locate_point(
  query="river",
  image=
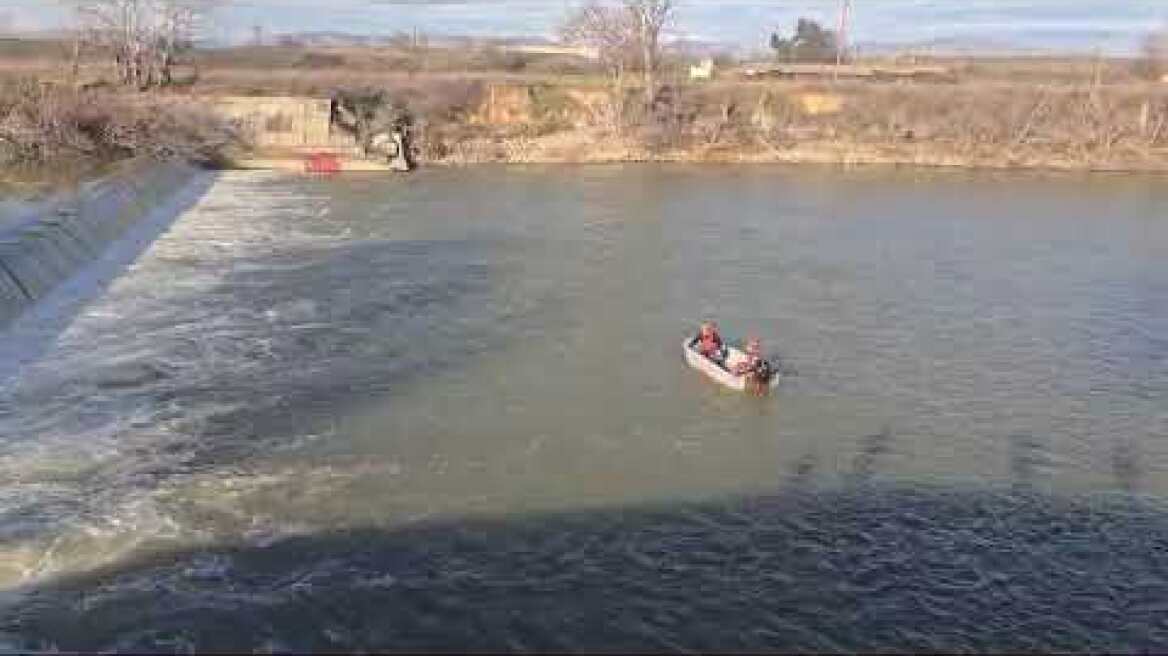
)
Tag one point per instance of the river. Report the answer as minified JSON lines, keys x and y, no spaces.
{"x":450,"y":411}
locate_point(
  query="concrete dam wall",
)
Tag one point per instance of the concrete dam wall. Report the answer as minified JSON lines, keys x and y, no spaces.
{"x":297,"y":134}
{"x":53,"y":241}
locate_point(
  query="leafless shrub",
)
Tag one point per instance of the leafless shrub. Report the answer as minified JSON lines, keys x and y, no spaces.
{"x":723,"y":116}
{"x":41,"y":123}
{"x":1087,"y":123}
{"x":435,"y":111}
{"x":440,"y":100}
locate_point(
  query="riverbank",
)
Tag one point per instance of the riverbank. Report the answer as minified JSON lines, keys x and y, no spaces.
{"x":1008,"y":113}
{"x":583,"y":148}
{"x":1002,"y":125}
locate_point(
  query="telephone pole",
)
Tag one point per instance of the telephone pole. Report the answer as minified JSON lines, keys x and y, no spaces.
{"x":841,"y":45}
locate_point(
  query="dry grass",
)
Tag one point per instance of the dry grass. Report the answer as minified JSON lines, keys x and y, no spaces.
{"x":1086,"y":123}
{"x":1032,"y":69}
{"x":983,"y":124}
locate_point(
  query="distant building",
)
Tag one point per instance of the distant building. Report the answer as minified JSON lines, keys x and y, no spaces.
{"x":702,"y":71}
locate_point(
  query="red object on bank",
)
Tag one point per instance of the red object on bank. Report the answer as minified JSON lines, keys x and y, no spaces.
{"x":322,"y":163}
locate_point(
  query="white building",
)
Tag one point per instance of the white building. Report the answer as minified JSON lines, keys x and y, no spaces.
{"x":702,"y":71}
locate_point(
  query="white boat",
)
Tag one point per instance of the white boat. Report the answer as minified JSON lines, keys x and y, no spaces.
{"x":719,"y":373}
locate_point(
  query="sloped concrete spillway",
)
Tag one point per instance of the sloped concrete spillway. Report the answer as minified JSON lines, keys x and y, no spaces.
{"x":55,"y":240}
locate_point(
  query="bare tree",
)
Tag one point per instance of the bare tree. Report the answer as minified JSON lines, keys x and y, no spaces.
{"x":143,"y":36}
{"x":622,"y":34}
{"x":606,"y":31}
{"x":649,"y":19}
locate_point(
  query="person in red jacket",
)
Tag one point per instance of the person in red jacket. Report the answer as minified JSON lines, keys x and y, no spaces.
{"x":710,"y":342}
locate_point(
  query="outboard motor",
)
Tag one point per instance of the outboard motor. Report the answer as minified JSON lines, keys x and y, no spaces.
{"x":765,"y":371}
{"x":758,"y":382}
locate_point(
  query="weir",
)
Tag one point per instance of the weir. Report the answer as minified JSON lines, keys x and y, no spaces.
{"x":304,"y":134}
{"x":56,"y":239}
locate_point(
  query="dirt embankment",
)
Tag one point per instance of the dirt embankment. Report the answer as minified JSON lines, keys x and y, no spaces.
{"x":999,"y":125}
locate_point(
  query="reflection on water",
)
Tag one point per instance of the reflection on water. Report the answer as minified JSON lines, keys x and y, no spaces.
{"x":385,"y":368}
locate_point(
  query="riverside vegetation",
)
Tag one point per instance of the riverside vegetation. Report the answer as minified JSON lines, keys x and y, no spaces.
{"x":477,"y":101}
{"x":44,"y":124}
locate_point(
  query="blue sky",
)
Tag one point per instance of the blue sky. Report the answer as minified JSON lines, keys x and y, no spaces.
{"x":1058,"y":24}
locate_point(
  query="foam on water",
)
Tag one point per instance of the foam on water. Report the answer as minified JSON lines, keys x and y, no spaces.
{"x":132,"y":413}
{"x":93,"y":416}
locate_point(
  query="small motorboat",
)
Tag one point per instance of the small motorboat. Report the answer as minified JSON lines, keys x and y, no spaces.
{"x":723,"y":375}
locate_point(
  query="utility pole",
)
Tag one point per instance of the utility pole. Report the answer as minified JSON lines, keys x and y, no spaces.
{"x":841,"y":45}
{"x":75,"y":64}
